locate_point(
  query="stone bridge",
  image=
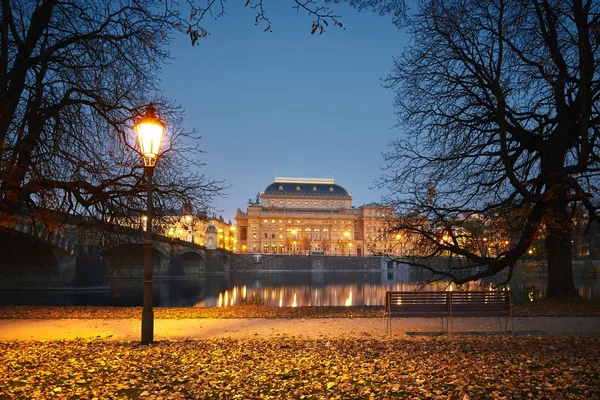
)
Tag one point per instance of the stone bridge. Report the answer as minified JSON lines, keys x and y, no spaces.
{"x":89,"y":255}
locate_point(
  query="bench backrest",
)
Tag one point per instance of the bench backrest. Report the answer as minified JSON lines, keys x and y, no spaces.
{"x":469,"y":303}
{"x":482,"y":303}
{"x":417,"y":302}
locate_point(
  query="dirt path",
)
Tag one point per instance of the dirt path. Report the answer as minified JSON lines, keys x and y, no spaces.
{"x":310,"y":328}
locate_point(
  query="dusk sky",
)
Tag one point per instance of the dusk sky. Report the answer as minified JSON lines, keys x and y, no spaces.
{"x":288,"y":102}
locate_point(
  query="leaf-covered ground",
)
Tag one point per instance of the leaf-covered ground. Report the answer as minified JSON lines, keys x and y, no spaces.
{"x":440,"y":368}
{"x":545,"y":308}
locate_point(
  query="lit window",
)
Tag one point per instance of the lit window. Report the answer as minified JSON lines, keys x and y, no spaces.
{"x":298,"y":203}
{"x":265,"y":220}
{"x":306,"y":202}
{"x":315,"y":202}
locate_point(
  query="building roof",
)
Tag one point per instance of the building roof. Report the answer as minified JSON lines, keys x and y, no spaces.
{"x":305,"y":187}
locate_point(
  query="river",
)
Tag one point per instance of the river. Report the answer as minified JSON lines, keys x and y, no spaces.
{"x":278,"y":289}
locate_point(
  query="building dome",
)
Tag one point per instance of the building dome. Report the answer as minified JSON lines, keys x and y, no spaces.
{"x":306,"y":188}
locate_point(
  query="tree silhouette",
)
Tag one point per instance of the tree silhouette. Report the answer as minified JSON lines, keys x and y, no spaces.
{"x":74,"y":77}
{"x":499,"y":100}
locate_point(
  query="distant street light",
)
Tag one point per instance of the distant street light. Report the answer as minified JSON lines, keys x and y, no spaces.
{"x":149,"y":134}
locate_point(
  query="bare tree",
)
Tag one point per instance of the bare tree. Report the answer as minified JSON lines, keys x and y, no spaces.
{"x":322,"y":14}
{"x":499,"y":100}
{"x":74,"y":76}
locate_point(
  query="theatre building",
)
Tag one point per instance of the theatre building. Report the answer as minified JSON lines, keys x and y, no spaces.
{"x":313,"y":216}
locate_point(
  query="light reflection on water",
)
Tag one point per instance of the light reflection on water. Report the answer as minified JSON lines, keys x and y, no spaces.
{"x":277,"y":289}
{"x":285,"y":289}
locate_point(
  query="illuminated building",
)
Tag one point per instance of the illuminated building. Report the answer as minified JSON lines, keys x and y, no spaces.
{"x":313,"y":216}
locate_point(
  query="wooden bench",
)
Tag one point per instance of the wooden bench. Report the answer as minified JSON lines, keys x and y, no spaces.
{"x":446,"y":305}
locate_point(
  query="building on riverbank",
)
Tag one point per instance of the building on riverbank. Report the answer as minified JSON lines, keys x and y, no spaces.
{"x":315,"y":216}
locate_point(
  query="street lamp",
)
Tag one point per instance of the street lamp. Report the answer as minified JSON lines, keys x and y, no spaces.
{"x":149,"y":134}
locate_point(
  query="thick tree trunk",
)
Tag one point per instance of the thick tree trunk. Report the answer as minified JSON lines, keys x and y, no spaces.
{"x":560,"y":263}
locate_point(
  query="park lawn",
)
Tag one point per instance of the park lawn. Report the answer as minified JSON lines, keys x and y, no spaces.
{"x":467,"y":367}
{"x":540,"y":308}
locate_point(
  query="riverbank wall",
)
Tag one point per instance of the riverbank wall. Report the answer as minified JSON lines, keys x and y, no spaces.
{"x":276,"y":262}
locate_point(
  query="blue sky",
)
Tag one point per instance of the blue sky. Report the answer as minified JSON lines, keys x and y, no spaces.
{"x":286,"y":101}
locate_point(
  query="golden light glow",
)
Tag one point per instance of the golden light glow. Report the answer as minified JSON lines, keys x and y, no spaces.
{"x":149,"y":134}
{"x":348,"y":301}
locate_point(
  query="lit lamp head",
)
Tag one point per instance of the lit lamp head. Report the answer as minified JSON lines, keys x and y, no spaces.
{"x":149,"y":134}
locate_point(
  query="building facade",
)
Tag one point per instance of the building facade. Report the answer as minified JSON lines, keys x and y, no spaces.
{"x":314,"y":216}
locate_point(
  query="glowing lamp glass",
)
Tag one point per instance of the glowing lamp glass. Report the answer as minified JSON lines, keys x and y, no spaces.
{"x":149,"y":134}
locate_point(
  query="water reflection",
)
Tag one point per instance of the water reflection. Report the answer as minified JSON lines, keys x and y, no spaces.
{"x":277,"y":289}
{"x":295,"y":289}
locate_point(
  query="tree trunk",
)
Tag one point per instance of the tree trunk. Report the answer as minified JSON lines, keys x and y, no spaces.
{"x":560,"y":263}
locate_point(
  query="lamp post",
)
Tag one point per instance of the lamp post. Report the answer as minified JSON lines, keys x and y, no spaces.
{"x":149,"y":134}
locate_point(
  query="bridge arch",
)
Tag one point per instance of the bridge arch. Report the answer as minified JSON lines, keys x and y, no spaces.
{"x":127,"y":260}
{"x":28,"y":261}
{"x":194,"y":261}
